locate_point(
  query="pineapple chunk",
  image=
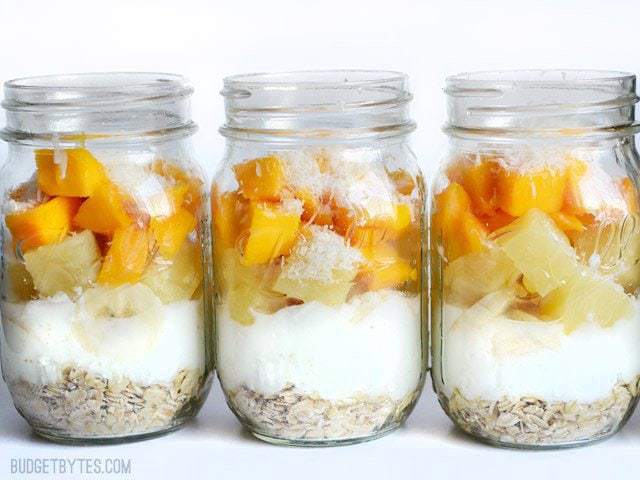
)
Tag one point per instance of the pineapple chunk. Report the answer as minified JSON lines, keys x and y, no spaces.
{"x":171,"y":232}
{"x":82,"y":176}
{"x":587,"y":296}
{"x":66,"y":266}
{"x":320,"y":268}
{"x":104,"y":212}
{"x":18,"y":284}
{"x":539,"y":250}
{"x":42,"y":225}
{"x":519,"y":193}
{"x":176,"y":279}
{"x":126,"y":258}
{"x":467,"y":279}
{"x":262,"y":179}
{"x":246,"y":289}
{"x":272,"y":232}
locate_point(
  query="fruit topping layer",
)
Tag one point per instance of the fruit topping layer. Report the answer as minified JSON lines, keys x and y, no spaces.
{"x":303,"y":227}
{"x":563,"y":240}
{"x":77,"y":226}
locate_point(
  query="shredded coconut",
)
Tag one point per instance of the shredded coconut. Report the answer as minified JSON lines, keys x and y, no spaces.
{"x":320,"y":256}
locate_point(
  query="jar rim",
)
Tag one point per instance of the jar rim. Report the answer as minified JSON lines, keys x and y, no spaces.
{"x":539,"y":76}
{"x":310,"y":78}
{"x":77,"y":90}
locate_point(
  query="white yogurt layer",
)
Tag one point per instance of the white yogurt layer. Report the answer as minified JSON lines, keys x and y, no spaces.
{"x":488,"y":357}
{"x":42,"y":337}
{"x":371,"y":345}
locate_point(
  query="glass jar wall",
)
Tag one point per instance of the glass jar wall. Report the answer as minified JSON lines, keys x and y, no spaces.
{"x":318,"y":215}
{"x":535,"y":257}
{"x":104,"y":224}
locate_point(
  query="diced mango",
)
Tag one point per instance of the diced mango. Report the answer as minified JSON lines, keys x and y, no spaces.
{"x":403,"y":181}
{"x":272,"y":233}
{"x":518,"y":193}
{"x":44,"y":224}
{"x":127,"y":257}
{"x":567,"y":222}
{"x":585,"y":296}
{"x":479,"y":181}
{"x":375,"y":230}
{"x":573,"y":203}
{"x":497,"y":220}
{"x":315,"y":210}
{"x":385,"y":268}
{"x":539,"y":250}
{"x":167,"y":202}
{"x":261,"y":179}
{"x":459,"y":231}
{"x":630,"y":194}
{"x":228,"y":210}
{"x":170,"y":232}
{"x":104,"y":212}
{"x":179,"y":178}
{"x":83,"y":175}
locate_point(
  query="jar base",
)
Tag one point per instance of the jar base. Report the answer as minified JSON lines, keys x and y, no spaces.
{"x":56,"y":437}
{"x":323,"y":443}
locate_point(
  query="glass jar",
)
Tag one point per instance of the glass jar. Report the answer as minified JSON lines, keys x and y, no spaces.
{"x":103,"y":229}
{"x":535,"y":257}
{"x":317,"y":214}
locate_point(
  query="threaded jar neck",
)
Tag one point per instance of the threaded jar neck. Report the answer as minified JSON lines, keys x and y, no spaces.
{"x":105,"y":107}
{"x":317,"y":106}
{"x":546,"y":103}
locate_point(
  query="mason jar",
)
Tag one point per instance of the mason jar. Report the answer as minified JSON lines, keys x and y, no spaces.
{"x":103,"y":235}
{"x":536,"y":257}
{"x":317,"y":249}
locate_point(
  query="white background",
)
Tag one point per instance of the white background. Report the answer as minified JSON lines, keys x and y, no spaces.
{"x":206,"y":40}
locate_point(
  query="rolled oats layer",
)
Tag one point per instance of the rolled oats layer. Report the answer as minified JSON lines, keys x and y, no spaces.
{"x":536,"y":422}
{"x":292,"y":415}
{"x":84,"y":405}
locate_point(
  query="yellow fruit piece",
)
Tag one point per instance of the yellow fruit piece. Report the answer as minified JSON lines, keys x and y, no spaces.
{"x":228,"y":210}
{"x":83,"y":175}
{"x":519,"y":193}
{"x":66,"y":266}
{"x":450,"y":206}
{"x":568,"y":223}
{"x":176,"y":279}
{"x":385,"y":268}
{"x":539,"y":250}
{"x":127,"y":256}
{"x":167,"y":202}
{"x":479,"y":181}
{"x":573,"y":202}
{"x":587,"y":296}
{"x":273,"y":230}
{"x":630,"y":194}
{"x":261,"y":179}
{"x":315,"y":210}
{"x":246,"y":289}
{"x":171,"y":232}
{"x":104,"y":212}
{"x":403,"y":181}
{"x":469,"y":278}
{"x":376,"y":230}
{"x":47,"y":223}
{"x":180,"y":178}
{"x":18,"y":284}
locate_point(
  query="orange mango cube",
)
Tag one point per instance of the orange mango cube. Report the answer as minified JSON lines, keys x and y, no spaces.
{"x":572,"y":201}
{"x":272,"y":232}
{"x":229,"y":211}
{"x":104,"y":212}
{"x":127,"y":256}
{"x":374,"y":230}
{"x":170,"y":232}
{"x":385,"y":268}
{"x":479,"y":181}
{"x":519,"y":193}
{"x":84,"y":174}
{"x":181,"y":179}
{"x":403,"y":181}
{"x":44,"y":224}
{"x":261,"y":179}
{"x":630,"y":194}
